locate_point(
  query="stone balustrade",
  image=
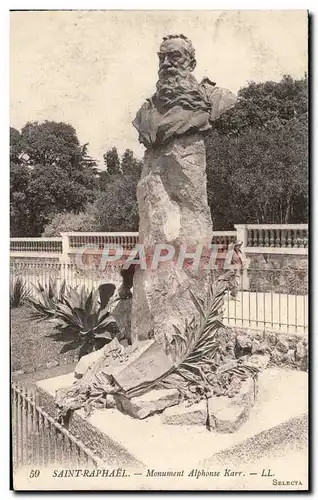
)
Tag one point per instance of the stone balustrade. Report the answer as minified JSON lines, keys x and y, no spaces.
{"x":256,"y":238}
{"x":273,"y":238}
{"x":36,"y":245}
{"x":79,"y":240}
{"x":224,"y":237}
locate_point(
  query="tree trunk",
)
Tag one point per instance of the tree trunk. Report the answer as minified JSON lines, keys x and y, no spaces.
{"x":287,"y":213}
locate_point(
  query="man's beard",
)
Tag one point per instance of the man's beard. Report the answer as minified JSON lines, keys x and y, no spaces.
{"x":179,"y":89}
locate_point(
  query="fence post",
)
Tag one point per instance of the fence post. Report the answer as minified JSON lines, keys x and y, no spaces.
{"x":65,"y":248}
{"x":242,"y":236}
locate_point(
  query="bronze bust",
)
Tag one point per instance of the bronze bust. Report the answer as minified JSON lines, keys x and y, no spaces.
{"x":181,"y":105}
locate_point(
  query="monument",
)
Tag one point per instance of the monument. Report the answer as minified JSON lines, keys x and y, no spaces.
{"x":179,"y":353}
{"x":172,"y":192}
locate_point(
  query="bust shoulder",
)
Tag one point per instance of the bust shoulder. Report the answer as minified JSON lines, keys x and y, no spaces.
{"x":221,"y":99}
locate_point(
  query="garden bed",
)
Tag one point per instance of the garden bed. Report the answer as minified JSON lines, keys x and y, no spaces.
{"x":33,"y":346}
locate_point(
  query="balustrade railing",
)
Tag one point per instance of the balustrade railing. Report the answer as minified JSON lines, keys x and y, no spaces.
{"x":79,"y":240}
{"x":272,"y":236}
{"x":256,"y":238}
{"x":224,"y":237}
{"x":36,"y":245}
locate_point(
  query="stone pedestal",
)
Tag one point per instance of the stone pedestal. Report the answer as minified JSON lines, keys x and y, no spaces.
{"x":173,"y":210}
{"x":277,"y":419}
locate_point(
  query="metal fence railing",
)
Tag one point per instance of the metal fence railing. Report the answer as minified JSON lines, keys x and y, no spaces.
{"x":266,"y":299}
{"x":269,"y":300}
{"x":39,"y":440}
{"x":35,"y":272}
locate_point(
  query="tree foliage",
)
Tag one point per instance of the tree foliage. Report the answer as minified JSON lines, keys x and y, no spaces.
{"x":257,"y":156}
{"x":69,"y":221}
{"x":50,"y":144}
{"x":256,"y":169}
{"x":116,"y":206}
{"x":130,"y":165}
{"x":266,"y":104}
{"x":50,"y":173}
{"x":112,"y":162}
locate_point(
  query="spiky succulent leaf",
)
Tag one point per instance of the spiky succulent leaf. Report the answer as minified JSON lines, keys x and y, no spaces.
{"x":62,"y":289}
{"x":70,"y":346}
{"x":106,"y":291}
{"x":103,"y":335}
{"x":20,"y":292}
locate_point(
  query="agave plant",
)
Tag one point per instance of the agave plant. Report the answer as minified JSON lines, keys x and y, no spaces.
{"x":86,"y":317}
{"x":47,"y":298}
{"x":19,"y":293}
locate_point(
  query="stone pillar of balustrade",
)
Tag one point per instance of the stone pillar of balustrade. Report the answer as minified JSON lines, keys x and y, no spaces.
{"x":242,"y":236}
{"x":64,"y":257}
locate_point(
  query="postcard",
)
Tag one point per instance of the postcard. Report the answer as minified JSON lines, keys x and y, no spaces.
{"x":159,"y":250}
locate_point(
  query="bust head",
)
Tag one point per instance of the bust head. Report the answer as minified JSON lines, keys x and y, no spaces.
{"x":176,"y":56}
{"x":176,"y":84}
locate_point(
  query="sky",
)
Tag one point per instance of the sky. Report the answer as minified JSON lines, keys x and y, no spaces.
{"x":93,"y":69}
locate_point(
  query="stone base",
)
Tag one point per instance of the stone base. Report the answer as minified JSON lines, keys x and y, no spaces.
{"x":225,"y":414}
{"x":278,"y":417}
{"x":173,"y":209}
{"x":149,"y":403}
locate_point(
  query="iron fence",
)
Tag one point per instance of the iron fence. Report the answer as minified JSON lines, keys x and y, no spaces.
{"x":266,"y":299}
{"x":269,"y":300}
{"x":39,"y":440}
{"x":34,"y":272}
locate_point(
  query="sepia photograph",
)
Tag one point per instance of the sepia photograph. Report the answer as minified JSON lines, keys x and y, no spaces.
{"x":159,"y":205}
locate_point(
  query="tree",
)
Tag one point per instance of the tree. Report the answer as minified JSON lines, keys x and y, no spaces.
{"x":116,"y":207}
{"x":51,"y":191}
{"x":257,"y":157}
{"x":19,"y":181}
{"x":266,"y":104}
{"x":112,"y":162}
{"x":19,"y":206}
{"x":131,"y":165}
{"x":59,"y":175}
{"x":50,"y":143}
{"x":15,"y":145}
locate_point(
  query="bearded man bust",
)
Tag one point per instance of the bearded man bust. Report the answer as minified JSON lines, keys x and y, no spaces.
{"x":172,"y":191}
{"x":180,"y":105}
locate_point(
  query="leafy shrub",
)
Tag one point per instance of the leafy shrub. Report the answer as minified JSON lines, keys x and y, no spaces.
{"x":19,"y":293}
{"x":69,"y":221}
{"x":86,"y":318}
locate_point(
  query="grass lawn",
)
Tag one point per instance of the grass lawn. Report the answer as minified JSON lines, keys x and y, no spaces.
{"x":31,"y":347}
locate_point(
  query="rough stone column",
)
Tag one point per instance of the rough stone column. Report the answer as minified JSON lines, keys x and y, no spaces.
{"x":172,"y":191}
{"x":173,"y":209}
